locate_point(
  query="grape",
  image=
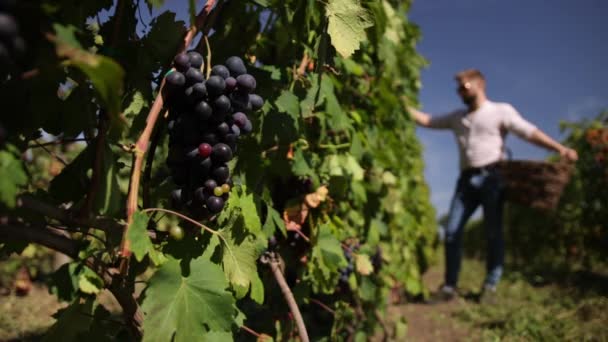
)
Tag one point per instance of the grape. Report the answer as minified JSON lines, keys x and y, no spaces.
{"x":204,"y":167}
{"x":199,"y":195}
{"x":246,"y":83}
{"x":176,"y":198}
{"x":210,"y":185}
{"x":210,"y":138}
{"x":193,"y":76}
{"x":175,"y":80}
{"x":240,"y":119}
{"x":230,"y":140}
{"x":223,"y":129}
{"x":204,"y":150}
{"x":220,"y":174}
{"x":240,"y":101}
{"x":203,"y":110}
{"x":236,"y":66}
{"x":176,"y":155}
{"x":230,"y":83}
{"x":181,"y":62}
{"x":8,"y":26}
{"x":192,"y":153}
{"x":235,"y":130}
{"x":217,"y":191}
{"x":215,"y":85}
{"x":215,"y":204}
{"x":220,"y":70}
{"x":272,"y":241}
{"x":225,"y":188}
{"x":190,"y":131}
{"x":221,"y":153}
{"x":222,"y":105}
{"x":256,"y":101}
{"x":196,"y":60}
{"x":248,"y":127}
{"x":196,"y":92}
{"x":179,"y":175}
{"x":176,"y":232}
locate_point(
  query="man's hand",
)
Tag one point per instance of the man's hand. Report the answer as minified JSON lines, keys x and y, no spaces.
{"x":568,"y":153}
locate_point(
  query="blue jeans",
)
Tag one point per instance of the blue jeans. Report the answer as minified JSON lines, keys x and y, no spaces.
{"x":485,"y":188}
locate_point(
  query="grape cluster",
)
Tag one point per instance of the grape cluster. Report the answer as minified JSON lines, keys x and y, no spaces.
{"x":346,"y":272}
{"x":207,"y":116}
{"x":12,"y":45}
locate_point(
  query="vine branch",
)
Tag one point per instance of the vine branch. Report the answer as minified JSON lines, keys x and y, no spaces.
{"x":141,"y":146}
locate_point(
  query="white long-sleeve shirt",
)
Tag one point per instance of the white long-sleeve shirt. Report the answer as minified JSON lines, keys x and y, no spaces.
{"x":481,"y":134}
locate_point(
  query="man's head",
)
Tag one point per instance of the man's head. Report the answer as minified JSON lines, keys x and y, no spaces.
{"x":471,"y":85}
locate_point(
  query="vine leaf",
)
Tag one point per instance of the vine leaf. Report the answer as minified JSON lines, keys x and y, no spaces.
{"x":104,"y":73}
{"x":241,"y":204}
{"x":327,"y":258}
{"x":184,"y":306}
{"x":13,"y":176}
{"x":363,"y":264}
{"x":347,"y":24}
{"x":137,"y":235}
{"x":288,"y":103}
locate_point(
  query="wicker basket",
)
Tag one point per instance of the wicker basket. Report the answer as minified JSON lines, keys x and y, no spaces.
{"x":536,"y":184}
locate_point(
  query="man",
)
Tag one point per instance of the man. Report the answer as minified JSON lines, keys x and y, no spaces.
{"x":480,"y":131}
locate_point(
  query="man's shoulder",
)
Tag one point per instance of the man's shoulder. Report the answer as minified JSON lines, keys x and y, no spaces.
{"x":503,"y":108}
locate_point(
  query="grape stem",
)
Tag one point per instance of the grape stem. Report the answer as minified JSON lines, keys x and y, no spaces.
{"x":271,"y":259}
{"x":208,"y":55}
{"x":141,"y":146}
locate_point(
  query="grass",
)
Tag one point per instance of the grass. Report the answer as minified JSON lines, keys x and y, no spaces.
{"x":569,"y":306}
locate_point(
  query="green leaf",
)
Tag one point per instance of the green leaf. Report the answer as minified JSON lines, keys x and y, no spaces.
{"x":300,"y":166}
{"x":363,"y":264}
{"x":327,"y":258}
{"x":192,"y":11}
{"x":184,"y":307}
{"x":353,"y":168}
{"x":63,"y":283}
{"x":13,"y":176}
{"x":108,"y":200}
{"x":257,"y":290}
{"x":263,"y":3}
{"x":347,"y":24}
{"x":239,"y":257}
{"x":138,"y":236}
{"x":164,"y":38}
{"x":71,"y":322}
{"x":104,"y":73}
{"x":241,"y":204}
{"x":89,"y":282}
{"x":273,"y":222}
{"x":288,"y":103}
{"x":73,"y":180}
{"x":155,"y":3}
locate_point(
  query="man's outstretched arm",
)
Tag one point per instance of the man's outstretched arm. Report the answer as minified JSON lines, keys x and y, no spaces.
{"x":539,"y":138}
{"x":422,"y":119}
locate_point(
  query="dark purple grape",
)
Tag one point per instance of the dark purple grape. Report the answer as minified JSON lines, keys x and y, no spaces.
{"x":181,"y":62}
{"x":215,"y":204}
{"x":175,"y":80}
{"x":192,"y":153}
{"x":230,"y":84}
{"x":221,"y":154}
{"x":220,"y":174}
{"x":247,"y":128}
{"x":204,"y":167}
{"x":221,"y":105}
{"x":209,"y":185}
{"x":196,"y":92}
{"x":236,"y":66}
{"x":203,"y":110}
{"x":8,"y":26}
{"x":176,"y":198}
{"x":240,"y":119}
{"x":222,"y":129}
{"x":193,"y":76}
{"x":240,"y":101}
{"x":190,"y":133}
{"x":209,"y":138}
{"x":199,"y":195}
{"x":220,"y":70}
{"x":215,"y":85}
{"x":196,"y":59}
{"x":235,"y":130}
{"x":246,"y":83}
{"x":256,"y":101}
{"x":230,"y":140}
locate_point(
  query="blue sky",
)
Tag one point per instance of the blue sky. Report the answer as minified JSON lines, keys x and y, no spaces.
{"x":545,"y":57}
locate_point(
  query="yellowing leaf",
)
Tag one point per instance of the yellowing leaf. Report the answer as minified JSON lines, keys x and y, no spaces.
{"x":363,"y":264}
{"x":347,"y":24}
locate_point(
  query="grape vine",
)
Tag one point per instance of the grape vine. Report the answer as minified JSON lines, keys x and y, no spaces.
{"x":254,"y":168}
